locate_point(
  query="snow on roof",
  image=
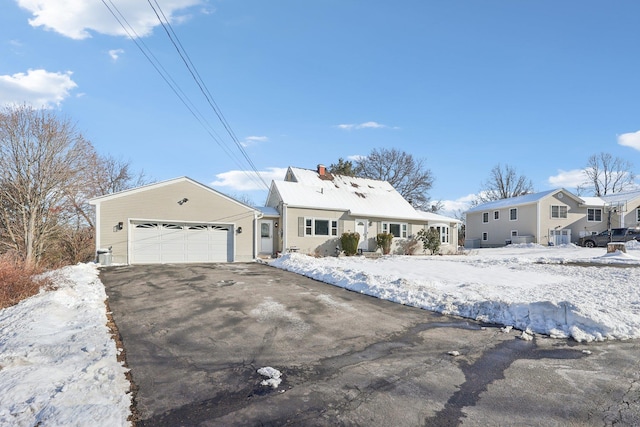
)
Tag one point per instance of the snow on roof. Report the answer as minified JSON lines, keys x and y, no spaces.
{"x":621,"y":197}
{"x":359,"y":196}
{"x":433,"y":217}
{"x":593,"y":201}
{"x":514,"y":201}
{"x":268,"y":210}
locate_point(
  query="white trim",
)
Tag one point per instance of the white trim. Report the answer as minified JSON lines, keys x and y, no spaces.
{"x":404,"y":228}
{"x":513,"y":209}
{"x":130,"y":228}
{"x":97,"y":200}
{"x":98,"y":234}
{"x":594,"y":214}
{"x":313,"y":220}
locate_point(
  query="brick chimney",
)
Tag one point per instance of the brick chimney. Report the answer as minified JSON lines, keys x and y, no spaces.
{"x":322,"y":170}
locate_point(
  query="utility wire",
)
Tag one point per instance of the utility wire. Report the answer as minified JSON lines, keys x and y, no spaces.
{"x":175,"y":87}
{"x":173,"y":37}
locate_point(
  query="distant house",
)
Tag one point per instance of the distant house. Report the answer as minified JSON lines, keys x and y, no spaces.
{"x":550,"y":217}
{"x":316,"y":207}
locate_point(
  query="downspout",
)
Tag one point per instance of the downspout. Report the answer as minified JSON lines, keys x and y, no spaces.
{"x":96,"y":231}
{"x":284,"y":227}
{"x":256,"y":216}
{"x":538,"y":224}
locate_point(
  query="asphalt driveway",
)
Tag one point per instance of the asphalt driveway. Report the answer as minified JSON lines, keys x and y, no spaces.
{"x":195,"y":336}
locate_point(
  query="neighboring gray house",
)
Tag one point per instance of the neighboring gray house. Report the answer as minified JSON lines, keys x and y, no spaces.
{"x":550,"y":217}
{"x":316,"y":207}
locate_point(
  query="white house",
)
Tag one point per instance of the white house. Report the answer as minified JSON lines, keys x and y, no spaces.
{"x":316,"y":207}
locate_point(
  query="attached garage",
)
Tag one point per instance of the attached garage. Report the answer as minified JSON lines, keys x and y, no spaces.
{"x":175,"y":221}
{"x":170,"y":242}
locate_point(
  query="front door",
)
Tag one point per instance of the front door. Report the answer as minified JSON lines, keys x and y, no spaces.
{"x":362,"y":228}
{"x":266,"y":236}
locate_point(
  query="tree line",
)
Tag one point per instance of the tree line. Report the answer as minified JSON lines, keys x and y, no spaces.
{"x":48,"y":173}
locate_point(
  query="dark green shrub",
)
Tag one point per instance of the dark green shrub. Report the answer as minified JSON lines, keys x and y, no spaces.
{"x":383,"y":240}
{"x":349,"y":242}
{"x":430,"y":240}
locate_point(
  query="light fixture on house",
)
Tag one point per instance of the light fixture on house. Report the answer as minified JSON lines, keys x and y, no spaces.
{"x":183,"y":201}
{"x":118,"y":227}
{"x":276,"y":224}
{"x":239,"y":230}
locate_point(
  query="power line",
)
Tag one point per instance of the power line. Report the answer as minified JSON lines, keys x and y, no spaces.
{"x":175,"y":87}
{"x":173,"y":37}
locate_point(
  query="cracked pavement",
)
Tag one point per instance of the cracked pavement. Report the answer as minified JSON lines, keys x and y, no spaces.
{"x":195,"y":335}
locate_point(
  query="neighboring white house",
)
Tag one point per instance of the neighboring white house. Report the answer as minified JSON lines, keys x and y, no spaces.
{"x":316,"y":207}
{"x":550,"y":217}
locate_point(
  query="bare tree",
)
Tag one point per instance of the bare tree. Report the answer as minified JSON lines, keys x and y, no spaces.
{"x":504,"y":183}
{"x":408,"y":176}
{"x":606,"y":174}
{"x":40,"y":155}
{"x":100,"y":175}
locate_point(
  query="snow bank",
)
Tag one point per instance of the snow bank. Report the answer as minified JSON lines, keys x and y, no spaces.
{"x":57,"y":359}
{"x":529,"y":286}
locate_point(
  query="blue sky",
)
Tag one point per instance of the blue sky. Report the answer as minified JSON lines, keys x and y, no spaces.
{"x":465,"y":85}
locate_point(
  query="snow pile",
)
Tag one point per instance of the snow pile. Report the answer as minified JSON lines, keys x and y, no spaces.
{"x":273,"y":376}
{"x":57,"y":359}
{"x":561,"y":291}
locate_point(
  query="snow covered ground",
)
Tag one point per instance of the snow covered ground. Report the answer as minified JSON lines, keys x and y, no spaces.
{"x":58,"y":362}
{"x":563,"y":291}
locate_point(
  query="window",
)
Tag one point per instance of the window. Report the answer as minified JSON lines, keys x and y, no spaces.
{"x":443,"y":230}
{"x":513,"y":214}
{"x":395,"y":228}
{"x":558,"y":211}
{"x":638,"y":215}
{"x":594,"y":215}
{"x":485,"y":217}
{"x":320,"y":227}
{"x":514,"y":233}
{"x":265,"y":230}
{"x":485,"y":236}
{"x":496,"y":215}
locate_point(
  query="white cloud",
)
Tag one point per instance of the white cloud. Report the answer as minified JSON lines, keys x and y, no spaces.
{"x":251,"y":140}
{"x":631,"y":139}
{"x":246,"y":180}
{"x":567,"y":179}
{"x":115,"y":53}
{"x":75,"y":18}
{"x":452,"y":208}
{"x":39,"y":88}
{"x":356,"y":157}
{"x":365,"y":125}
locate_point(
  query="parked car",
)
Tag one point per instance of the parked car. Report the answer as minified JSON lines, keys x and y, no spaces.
{"x":613,"y":235}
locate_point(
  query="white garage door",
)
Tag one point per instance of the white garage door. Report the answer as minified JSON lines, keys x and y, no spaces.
{"x":164,"y":242}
